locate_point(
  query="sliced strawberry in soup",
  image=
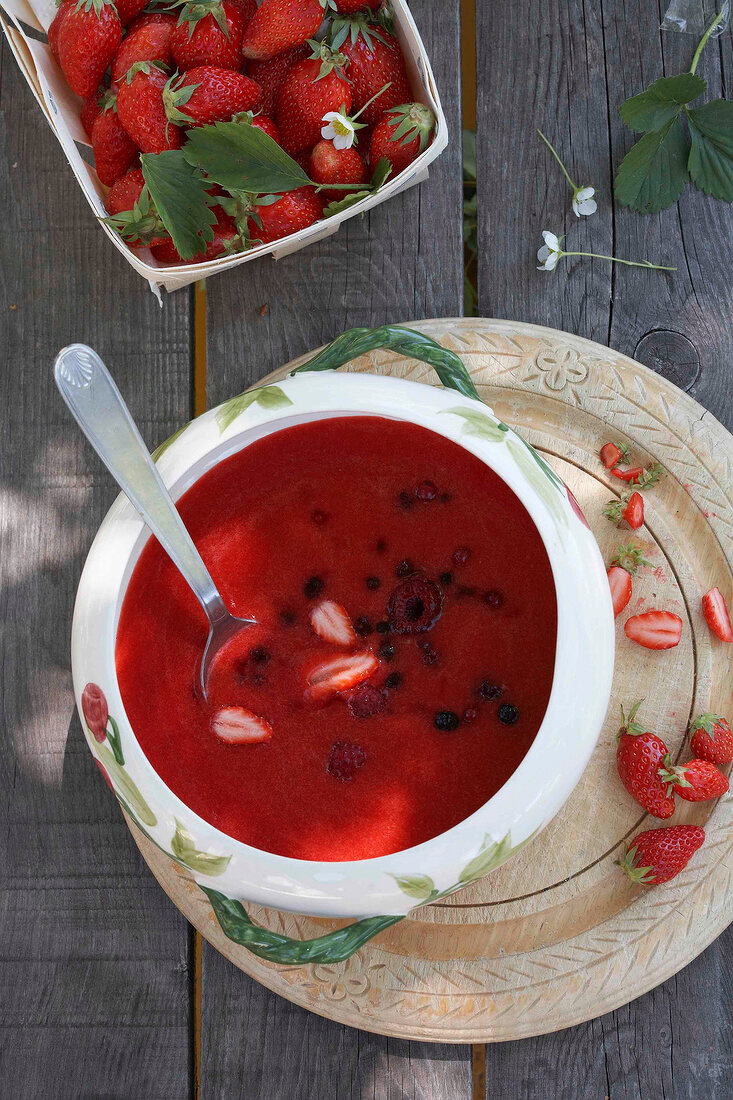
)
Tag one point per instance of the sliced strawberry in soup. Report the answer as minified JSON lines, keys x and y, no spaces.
{"x":332,"y":623}
{"x":654,"y":629}
{"x":716,"y":615}
{"x":339,"y":674}
{"x":238,"y":726}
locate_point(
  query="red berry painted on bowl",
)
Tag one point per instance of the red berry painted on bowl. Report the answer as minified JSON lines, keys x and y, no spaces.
{"x":96,"y":712}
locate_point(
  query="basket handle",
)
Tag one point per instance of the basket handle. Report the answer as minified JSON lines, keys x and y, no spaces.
{"x":334,"y":947}
{"x":407,"y":341}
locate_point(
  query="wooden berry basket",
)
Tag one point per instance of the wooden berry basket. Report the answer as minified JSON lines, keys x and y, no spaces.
{"x":61,"y":109}
{"x":558,"y":935}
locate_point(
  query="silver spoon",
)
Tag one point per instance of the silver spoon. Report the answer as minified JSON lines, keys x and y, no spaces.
{"x":88,"y":389}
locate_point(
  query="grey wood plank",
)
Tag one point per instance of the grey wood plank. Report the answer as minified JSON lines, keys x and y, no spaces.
{"x":94,"y":960}
{"x":578,"y":63}
{"x":402,"y":262}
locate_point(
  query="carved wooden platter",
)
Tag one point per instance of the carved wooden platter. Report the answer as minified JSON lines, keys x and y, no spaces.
{"x":558,"y":935}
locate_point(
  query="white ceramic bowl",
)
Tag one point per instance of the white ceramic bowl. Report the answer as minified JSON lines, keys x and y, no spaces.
{"x":231,"y":871}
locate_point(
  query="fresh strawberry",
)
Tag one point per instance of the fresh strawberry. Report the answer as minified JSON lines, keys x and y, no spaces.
{"x":612,"y":453}
{"x":144,"y":41}
{"x":208,"y":94}
{"x":227,"y":241}
{"x":629,"y":507}
{"x":401,"y":135}
{"x":142,"y":111}
{"x":309,"y":90}
{"x":711,"y":739}
{"x":114,"y":150}
{"x":209,"y":32}
{"x":640,"y":756}
{"x":654,"y":629}
{"x":348,"y":7}
{"x":374,"y":59}
{"x":53,"y":30}
{"x":620,"y":583}
{"x":657,"y":855}
{"x":695,"y":781}
{"x":238,"y":726}
{"x":271,"y":73}
{"x":631,"y":473}
{"x":330,"y":165}
{"x":295,"y":210}
{"x":339,"y":674}
{"x":332,"y":623}
{"x":247,"y":8}
{"x":279,"y":25}
{"x":87,"y":40}
{"x":132,"y":212}
{"x":90,"y":110}
{"x":129,"y":10}
{"x":263,"y":122}
{"x":716,"y":615}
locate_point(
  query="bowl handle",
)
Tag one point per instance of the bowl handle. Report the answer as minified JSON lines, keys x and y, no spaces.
{"x":334,"y":947}
{"x":407,"y":341}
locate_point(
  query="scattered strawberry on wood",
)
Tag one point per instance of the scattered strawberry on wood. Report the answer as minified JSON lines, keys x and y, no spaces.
{"x":658,"y":855}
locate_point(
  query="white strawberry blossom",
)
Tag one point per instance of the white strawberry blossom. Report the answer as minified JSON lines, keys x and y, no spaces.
{"x":550,"y":252}
{"x":583,"y":201}
{"x":339,"y":129}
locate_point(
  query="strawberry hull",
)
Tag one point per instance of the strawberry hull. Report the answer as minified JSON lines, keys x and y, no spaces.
{"x":62,"y":111}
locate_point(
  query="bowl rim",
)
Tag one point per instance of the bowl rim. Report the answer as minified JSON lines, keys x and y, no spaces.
{"x":544,"y":778}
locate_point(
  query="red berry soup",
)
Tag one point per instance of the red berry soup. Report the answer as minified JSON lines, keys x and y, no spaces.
{"x":404,"y":652}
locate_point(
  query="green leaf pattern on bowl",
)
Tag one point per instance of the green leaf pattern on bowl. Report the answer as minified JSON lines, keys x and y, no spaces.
{"x":124,"y":786}
{"x":267,"y":397}
{"x":184,"y":850}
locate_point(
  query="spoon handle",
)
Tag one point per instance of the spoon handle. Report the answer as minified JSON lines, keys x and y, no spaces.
{"x":93,"y":398}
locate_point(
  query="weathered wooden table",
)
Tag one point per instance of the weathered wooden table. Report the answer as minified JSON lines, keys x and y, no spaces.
{"x":104,"y":991}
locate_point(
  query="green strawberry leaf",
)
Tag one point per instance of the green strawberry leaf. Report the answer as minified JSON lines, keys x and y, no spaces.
{"x":184,"y":850}
{"x":420,"y":887}
{"x":653,"y":174}
{"x":711,"y":155}
{"x":661,"y":102}
{"x":179,"y":195}
{"x":243,"y":158}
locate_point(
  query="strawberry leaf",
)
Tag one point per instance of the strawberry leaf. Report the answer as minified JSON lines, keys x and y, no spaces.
{"x":380,"y":174}
{"x":661,"y":102}
{"x":243,"y":158}
{"x":653,"y":174}
{"x":179,"y":195}
{"x":711,"y":155}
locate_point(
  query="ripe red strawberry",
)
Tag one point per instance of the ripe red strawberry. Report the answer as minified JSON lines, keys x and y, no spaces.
{"x":348,"y":7}
{"x":330,"y":165}
{"x":53,"y":30}
{"x":142,"y":112}
{"x":611,"y":454}
{"x":129,"y":10}
{"x":332,"y":623}
{"x":621,"y":570}
{"x":145,"y":41}
{"x":654,"y":629}
{"x":629,"y":507}
{"x":227,"y":240}
{"x":238,"y":726}
{"x":631,"y":473}
{"x":209,"y":32}
{"x":114,"y":150}
{"x":401,"y":135}
{"x":293,"y":211}
{"x":271,"y":73}
{"x":88,"y":38}
{"x":620,"y":583}
{"x":208,"y":94}
{"x":711,"y":739}
{"x":91,"y":110}
{"x":716,"y":615}
{"x":640,"y":757}
{"x":262,"y":122}
{"x":133,"y":214}
{"x":278,"y":25}
{"x":309,"y":90}
{"x":657,"y":855}
{"x":695,"y":781}
{"x":247,"y":8}
{"x":339,"y":674}
{"x":374,"y":59}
